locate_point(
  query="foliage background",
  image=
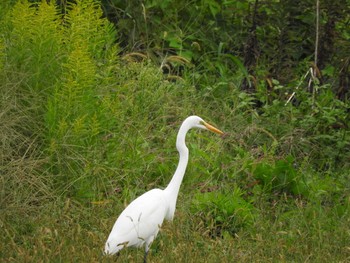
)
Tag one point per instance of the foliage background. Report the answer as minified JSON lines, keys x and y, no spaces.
{"x":90,"y":108}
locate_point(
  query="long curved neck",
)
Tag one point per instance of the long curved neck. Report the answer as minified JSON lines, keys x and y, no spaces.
{"x":174,"y":185}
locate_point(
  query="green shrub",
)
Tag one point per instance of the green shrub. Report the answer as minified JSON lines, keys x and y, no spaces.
{"x":34,"y":44}
{"x":223,"y":212}
{"x":280,"y":176}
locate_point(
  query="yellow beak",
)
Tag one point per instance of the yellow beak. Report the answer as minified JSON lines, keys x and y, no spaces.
{"x":212,"y":128}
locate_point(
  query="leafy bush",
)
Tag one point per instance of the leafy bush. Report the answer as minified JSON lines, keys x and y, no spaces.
{"x":280,"y":176}
{"x":223,"y":212}
{"x":33,"y":44}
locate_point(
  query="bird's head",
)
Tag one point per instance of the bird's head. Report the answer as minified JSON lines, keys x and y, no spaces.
{"x":198,"y":122}
{"x":189,"y":123}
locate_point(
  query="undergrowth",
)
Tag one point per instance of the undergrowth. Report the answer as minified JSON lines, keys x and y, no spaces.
{"x":85,"y":130}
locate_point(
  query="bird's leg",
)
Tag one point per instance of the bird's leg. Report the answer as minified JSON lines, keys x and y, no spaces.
{"x":145,"y":256}
{"x":147,"y":246}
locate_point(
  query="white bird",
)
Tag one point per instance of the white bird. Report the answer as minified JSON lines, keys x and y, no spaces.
{"x":140,"y":221}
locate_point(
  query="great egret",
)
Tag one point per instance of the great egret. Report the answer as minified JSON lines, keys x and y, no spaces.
{"x":140,"y":221}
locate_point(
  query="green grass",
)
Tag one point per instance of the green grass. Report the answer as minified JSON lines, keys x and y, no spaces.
{"x":65,"y":230}
{"x":83,"y":137}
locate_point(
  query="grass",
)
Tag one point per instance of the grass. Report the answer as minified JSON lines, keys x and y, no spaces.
{"x":68,"y":231}
{"x":78,"y":144}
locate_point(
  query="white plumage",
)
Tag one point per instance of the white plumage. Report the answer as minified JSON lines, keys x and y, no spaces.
{"x":140,"y":221}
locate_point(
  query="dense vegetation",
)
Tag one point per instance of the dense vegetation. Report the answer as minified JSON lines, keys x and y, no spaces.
{"x":92,"y":96}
